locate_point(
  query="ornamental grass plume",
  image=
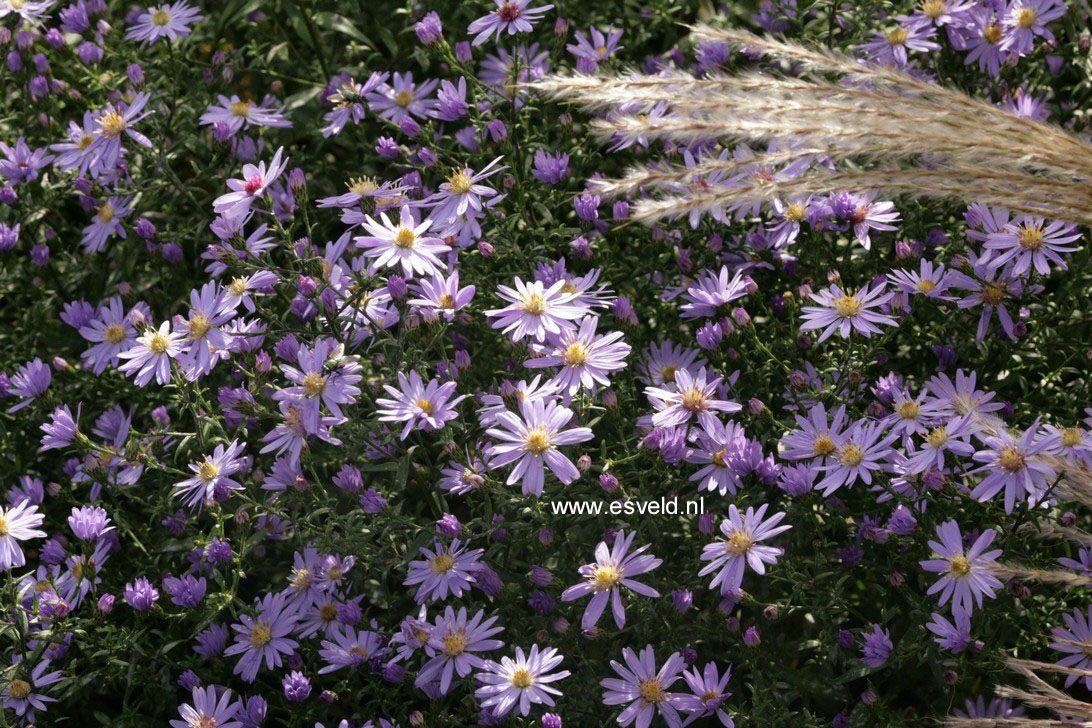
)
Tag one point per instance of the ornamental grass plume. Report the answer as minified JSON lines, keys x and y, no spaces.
{"x":875,"y":128}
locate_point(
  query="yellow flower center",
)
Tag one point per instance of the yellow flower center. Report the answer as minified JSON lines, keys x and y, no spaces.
{"x":425,"y":406}
{"x":327,"y":612}
{"x":362,"y":186}
{"x":1031,"y":237}
{"x":455,"y":642}
{"x":359,"y":651}
{"x":3,"y":527}
{"x":847,"y":306}
{"x":652,"y":691}
{"x":795,"y":212}
{"x":897,"y":36}
{"x":738,"y":543}
{"x":1071,"y":437}
{"x":575,"y":354}
{"x":240,"y":108}
{"x":667,"y":373}
{"x":823,"y":446}
{"x":992,"y":295}
{"x":333,"y":573}
{"x":1026,"y":17}
{"x":403,"y":99}
{"x":926,"y":286}
{"x":718,"y":458}
{"x":601,"y":50}
{"x":938,"y":436}
{"x":959,"y":567}
{"x":42,"y":586}
{"x":1011,"y":459}
{"x":693,"y":400}
{"x":709,"y":695}
{"x":522,"y":679}
{"x":404,"y":239}
{"x":606,"y":577}
{"x":114,"y":333}
{"x":537,"y":442}
{"x":301,"y":579}
{"x":76,"y":570}
{"x":199,"y":326}
{"x":18,"y":689}
{"x":238,"y":286}
{"x":460,"y":182}
{"x":208,"y":470}
{"x":993,"y":34}
{"x":111,"y":123}
{"x":159,"y":343}
{"x":909,"y":410}
{"x":161,"y":18}
{"x":447,"y":301}
{"x":261,"y":634}
{"x":851,"y":455}
{"x":313,"y":384}
{"x":85,"y":141}
{"x":934,"y":8}
{"x":442,"y":563}
{"x":535,"y":304}
{"x":105,"y":213}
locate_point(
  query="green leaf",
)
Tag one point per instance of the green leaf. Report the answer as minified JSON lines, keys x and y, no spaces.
{"x":341,"y":24}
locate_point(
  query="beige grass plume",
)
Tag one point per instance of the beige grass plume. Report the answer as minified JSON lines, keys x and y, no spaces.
{"x":883,"y":129}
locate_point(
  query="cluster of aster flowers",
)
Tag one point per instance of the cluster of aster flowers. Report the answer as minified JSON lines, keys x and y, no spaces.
{"x":306,"y":350}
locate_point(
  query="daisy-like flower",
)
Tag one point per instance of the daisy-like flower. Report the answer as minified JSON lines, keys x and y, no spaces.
{"x":1075,"y":642}
{"x":402,"y":98}
{"x":585,"y":359}
{"x":863,"y":451}
{"x":452,"y":643}
{"x":20,"y":164}
{"x":981,"y":33}
{"x":1032,"y":242}
{"x":349,"y":648}
{"x":521,"y":682}
{"x":599,"y":47}
{"x":512,"y":397}
{"x":739,"y":547}
{"x":207,"y":711}
{"x":462,"y":193}
{"x":965,"y":573}
{"x":511,"y":16}
{"x":251,"y":187}
{"x":105,"y":223}
{"x":152,"y":355}
{"x":531,"y":440}
{"x":445,"y":569}
{"x":876,"y":646}
{"x":712,"y":294}
{"x":989,"y":289}
{"x":112,"y":332}
{"x":61,"y":429}
{"x":111,"y":124}
{"x":950,"y":437}
{"x":76,"y":153}
{"x":30,"y":11}
{"x":1026,"y":19}
{"x":929,"y":280}
{"x":264,"y":637}
{"x":442,"y":295}
{"x":664,"y":360}
{"x":30,"y":382}
{"x":207,"y":342}
{"x":18,"y":523}
{"x":348,"y":101}
{"x":962,"y":396}
{"x":422,"y":407}
{"x":954,"y":636}
{"x":890,"y":48}
{"x":1070,"y":443}
{"x":709,"y":691}
{"x":613,"y":569}
{"x":22,"y":694}
{"x":943,"y":12}
{"x":694,"y":396}
{"x":717,"y":448}
{"x":317,"y":380}
{"x":404,"y":244}
{"x":1010,"y":464}
{"x":791,"y":214}
{"x":169,"y":20}
{"x":237,"y":113}
{"x":536,"y":310}
{"x":460,"y":479}
{"x":211,"y":475}
{"x":844,"y":312}
{"x":643,"y":689}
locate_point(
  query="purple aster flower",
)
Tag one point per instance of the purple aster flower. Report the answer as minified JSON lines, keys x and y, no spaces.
{"x":739,"y":547}
{"x":88,"y":523}
{"x":105,"y":223}
{"x":643,"y":689}
{"x":348,"y":101}
{"x":709,"y":690}
{"x":890,"y":48}
{"x":30,"y":382}
{"x":140,"y":594}
{"x":422,"y":407}
{"x":954,"y":636}
{"x":989,"y":289}
{"x":442,"y":295}
{"x":429,"y":29}
{"x":445,"y":569}
{"x":718,"y":448}
{"x":512,"y":16}
{"x":536,"y":310}
{"x":403,"y":244}
{"x":112,"y":123}
{"x":403,"y":98}
{"x":187,"y":591}
{"x":1010,"y":464}
{"x":693,"y":395}
{"x":297,"y":687}
{"x":251,"y":187}
{"x":844,"y":312}
{"x":712,"y":294}
{"x":981,"y":33}
{"x":76,"y":153}
{"x":235,"y":113}
{"x":1074,"y":643}
{"x":1025,"y":20}
{"x":209,"y":711}
{"x":170,"y":20}
{"x":112,"y":332}
{"x":450,"y":101}
{"x":549,"y":168}
{"x":349,"y":648}
{"x":599,"y":47}
{"x":461,"y":194}
{"x":23,"y":694}
{"x":212,"y":474}
{"x":876,"y":646}
{"x":20,"y":164}
{"x":531,"y":440}
{"x":996,"y":708}
{"x":452,"y":643}
{"x":930,"y":281}
{"x":61,"y":429}
{"x":613,"y":568}
{"x":520,"y":682}
{"x":211,"y":641}
{"x":265,"y":637}
{"x":1031,"y":242}
{"x":965,"y":573}
{"x":585,"y":359}
{"x":18,"y":523}
{"x":863,"y":450}
{"x":323,"y":376}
